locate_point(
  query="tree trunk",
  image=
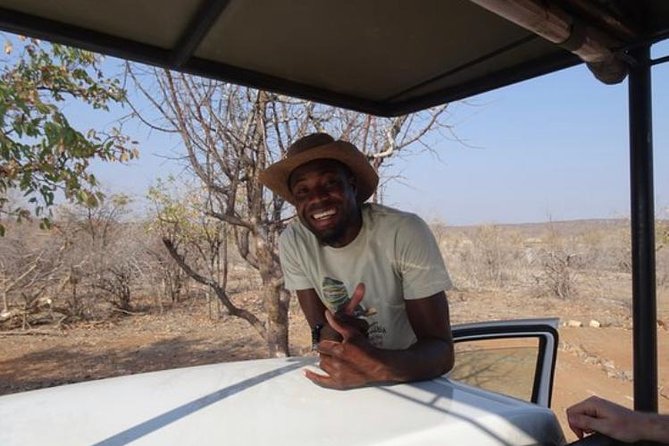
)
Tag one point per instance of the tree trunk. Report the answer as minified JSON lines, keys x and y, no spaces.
{"x":276,"y":306}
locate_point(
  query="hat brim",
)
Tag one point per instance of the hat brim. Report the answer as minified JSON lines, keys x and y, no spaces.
{"x":276,"y":176}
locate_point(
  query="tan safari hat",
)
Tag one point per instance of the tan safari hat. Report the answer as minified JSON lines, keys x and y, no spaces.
{"x":320,"y":146}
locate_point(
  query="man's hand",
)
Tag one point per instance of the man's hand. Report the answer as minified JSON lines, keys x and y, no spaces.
{"x":346,"y":316}
{"x":353,"y":362}
{"x":599,"y":415}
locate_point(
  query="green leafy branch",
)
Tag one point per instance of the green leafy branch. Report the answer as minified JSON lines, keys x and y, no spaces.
{"x":40,"y":151}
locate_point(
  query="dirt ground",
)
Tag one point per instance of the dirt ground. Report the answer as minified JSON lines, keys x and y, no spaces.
{"x":591,"y":361}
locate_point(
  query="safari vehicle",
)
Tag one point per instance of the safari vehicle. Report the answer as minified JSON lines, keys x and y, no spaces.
{"x":385,"y":58}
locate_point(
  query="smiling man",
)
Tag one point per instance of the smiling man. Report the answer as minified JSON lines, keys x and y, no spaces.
{"x":370,"y":279}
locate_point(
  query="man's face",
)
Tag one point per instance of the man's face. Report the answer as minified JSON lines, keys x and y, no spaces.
{"x":325,"y":199}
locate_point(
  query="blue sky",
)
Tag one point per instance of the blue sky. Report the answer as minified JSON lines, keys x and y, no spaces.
{"x":552,"y":148}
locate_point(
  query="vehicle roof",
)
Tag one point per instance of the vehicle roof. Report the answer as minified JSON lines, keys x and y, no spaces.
{"x":268,"y":402}
{"x":381,"y":57}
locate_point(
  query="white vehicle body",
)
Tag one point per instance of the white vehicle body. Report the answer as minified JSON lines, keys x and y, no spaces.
{"x":270,"y":402}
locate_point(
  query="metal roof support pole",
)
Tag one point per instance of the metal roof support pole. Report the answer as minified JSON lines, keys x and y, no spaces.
{"x":643,"y":231}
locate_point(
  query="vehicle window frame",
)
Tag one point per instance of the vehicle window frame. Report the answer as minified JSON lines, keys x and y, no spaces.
{"x":546,"y":359}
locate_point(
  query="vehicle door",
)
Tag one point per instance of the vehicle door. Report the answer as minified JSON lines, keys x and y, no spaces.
{"x":515,"y":358}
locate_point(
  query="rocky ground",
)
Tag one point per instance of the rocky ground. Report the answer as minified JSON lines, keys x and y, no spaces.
{"x":592,"y":359}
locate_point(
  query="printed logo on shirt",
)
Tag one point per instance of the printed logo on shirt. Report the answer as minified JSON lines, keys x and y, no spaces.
{"x":335,"y":297}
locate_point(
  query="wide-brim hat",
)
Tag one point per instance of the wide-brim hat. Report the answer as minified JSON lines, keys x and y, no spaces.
{"x":320,"y":146}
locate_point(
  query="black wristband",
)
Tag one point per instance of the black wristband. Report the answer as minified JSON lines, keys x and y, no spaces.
{"x":316,"y":336}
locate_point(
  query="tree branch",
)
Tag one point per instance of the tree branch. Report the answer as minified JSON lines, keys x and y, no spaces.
{"x":220,"y":292}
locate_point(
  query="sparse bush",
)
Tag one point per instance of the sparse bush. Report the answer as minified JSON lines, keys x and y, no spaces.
{"x":30,"y":263}
{"x":105,"y":257}
{"x":559,"y":264}
{"x":89,"y":263}
{"x":559,"y":273}
{"x":488,"y":256}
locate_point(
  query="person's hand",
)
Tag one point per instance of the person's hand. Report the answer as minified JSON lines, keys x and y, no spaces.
{"x":598,"y":415}
{"x":346,"y":316}
{"x":353,"y":362}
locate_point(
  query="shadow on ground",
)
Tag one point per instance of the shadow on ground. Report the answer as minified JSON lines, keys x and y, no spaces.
{"x":44,"y":368}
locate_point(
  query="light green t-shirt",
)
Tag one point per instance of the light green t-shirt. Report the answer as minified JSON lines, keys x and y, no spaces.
{"x":395,"y":255}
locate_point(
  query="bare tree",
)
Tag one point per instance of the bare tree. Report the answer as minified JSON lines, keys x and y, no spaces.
{"x":230,"y":134}
{"x":164,"y":270}
{"x":194,"y":240}
{"x":385,"y":139}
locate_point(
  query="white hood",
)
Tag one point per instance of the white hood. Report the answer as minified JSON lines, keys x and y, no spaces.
{"x":267,"y":402}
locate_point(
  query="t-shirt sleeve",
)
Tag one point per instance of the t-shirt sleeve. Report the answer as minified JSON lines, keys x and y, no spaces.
{"x":294,"y":275}
{"x":420,"y":262}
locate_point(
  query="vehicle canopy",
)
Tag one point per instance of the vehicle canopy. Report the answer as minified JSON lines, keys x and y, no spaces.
{"x":389,"y":58}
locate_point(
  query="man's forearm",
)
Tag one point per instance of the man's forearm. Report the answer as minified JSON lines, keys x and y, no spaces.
{"x":312,"y":308}
{"x":314,"y":311}
{"x":426,"y":359}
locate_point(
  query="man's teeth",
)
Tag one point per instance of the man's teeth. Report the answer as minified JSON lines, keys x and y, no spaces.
{"x":324,"y":214}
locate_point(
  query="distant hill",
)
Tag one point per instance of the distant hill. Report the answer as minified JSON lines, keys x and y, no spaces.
{"x":568,"y":227}
{"x":565,"y":228}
